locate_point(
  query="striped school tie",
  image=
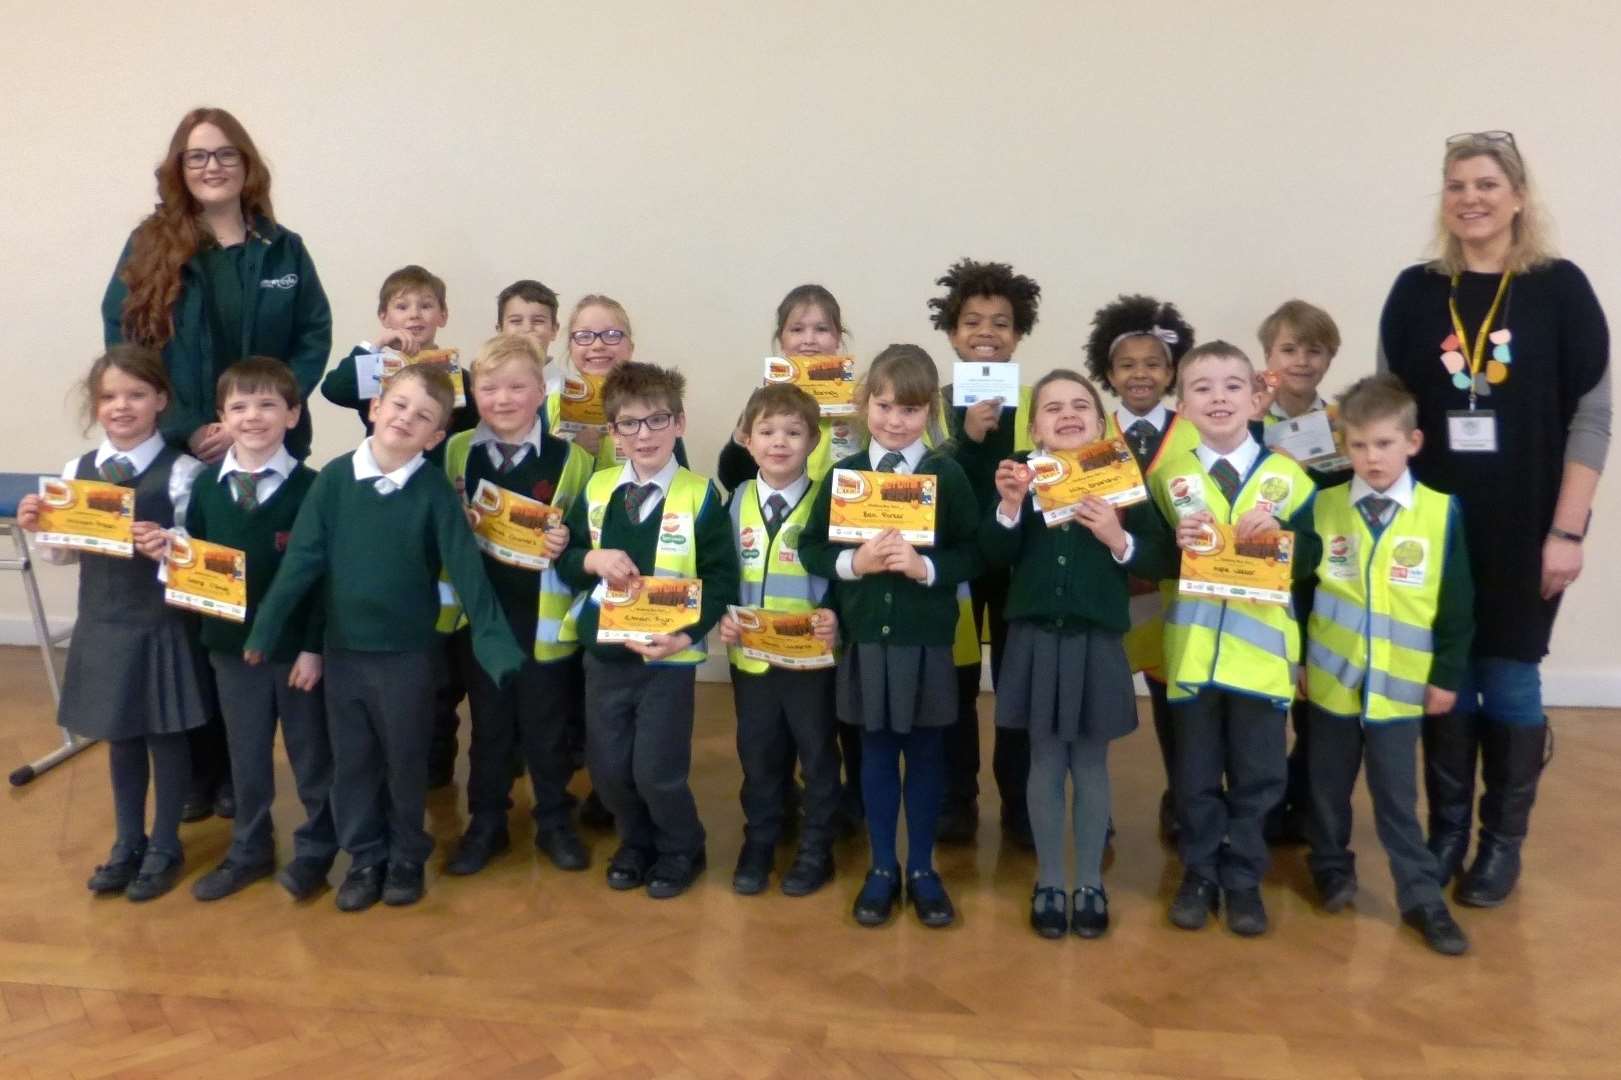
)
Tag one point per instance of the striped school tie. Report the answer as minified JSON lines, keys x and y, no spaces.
{"x":245,"y":488}
{"x":637,"y":496}
{"x":117,"y":469}
{"x":1141,"y":434}
{"x":1374,"y":508}
{"x":888,"y":462}
{"x":1226,"y":478}
{"x":776,"y":508}
{"x":509,"y":456}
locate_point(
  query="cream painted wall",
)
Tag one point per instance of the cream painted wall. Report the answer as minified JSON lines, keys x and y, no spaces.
{"x":697,"y":160}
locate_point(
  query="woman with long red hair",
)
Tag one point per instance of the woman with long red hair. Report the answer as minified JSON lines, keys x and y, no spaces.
{"x":210,"y":278}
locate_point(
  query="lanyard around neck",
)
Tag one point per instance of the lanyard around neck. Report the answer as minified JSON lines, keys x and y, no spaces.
{"x":1476,"y":351}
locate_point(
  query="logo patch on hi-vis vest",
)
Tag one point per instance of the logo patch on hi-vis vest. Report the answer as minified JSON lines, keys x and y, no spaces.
{"x":1409,"y":560}
{"x":1274,"y":493}
{"x":594,"y":520}
{"x":748,"y":542}
{"x":1342,"y":561}
{"x":788,"y":544}
{"x":843,"y":441}
{"x":1187,"y":494}
{"x":674,"y":530}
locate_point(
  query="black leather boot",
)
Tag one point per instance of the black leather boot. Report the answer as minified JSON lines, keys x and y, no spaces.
{"x":1450,"y":742}
{"x":1511,"y":763}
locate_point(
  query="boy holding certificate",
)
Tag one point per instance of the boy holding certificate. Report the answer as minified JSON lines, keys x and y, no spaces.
{"x":517,"y":480}
{"x":1390,"y":632}
{"x":985,"y":313}
{"x":1228,"y":662}
{"x":781,"y":710}
{"x":249,"y":501}
{"x":637,"y":524}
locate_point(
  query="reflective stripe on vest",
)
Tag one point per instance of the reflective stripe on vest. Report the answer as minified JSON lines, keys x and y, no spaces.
{"x":1248,"y":647}
{"x":772,"y":575}
{"x":1370,"y":644}
{"x":676,"y":557}
{"x":555,"y":597}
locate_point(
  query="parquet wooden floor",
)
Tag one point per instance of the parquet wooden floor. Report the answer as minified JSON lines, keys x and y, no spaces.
{"x":524,"y":971}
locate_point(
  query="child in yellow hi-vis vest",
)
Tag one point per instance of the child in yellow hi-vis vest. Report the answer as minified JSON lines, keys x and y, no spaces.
{"x":1387,"y":643}
{"x":1229,"y":663}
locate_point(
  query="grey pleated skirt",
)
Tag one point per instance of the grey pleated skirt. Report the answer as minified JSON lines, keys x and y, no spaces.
{"x":1072,"y":686}
{"x":897,"y":687}
{"x":124,"y":681}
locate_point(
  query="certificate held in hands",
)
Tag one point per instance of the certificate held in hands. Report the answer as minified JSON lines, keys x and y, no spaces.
{"x":781,"y":639}
{"x":864,"y":504}
{"x":88,"y":515}
{"x":208,"y":578}
{"x":580,"y":405}
{"x":511,"y":527}
{"x":650,"y":605}
{"x":831,"y":380}
{"x":1224,"y":567}
{"x":1062,"y":479}
{"x":1314,"y":440}
{"x":973,"y":383}
{"x":392,"y":361}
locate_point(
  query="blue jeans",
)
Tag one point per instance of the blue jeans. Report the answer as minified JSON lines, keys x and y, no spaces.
{"x":1501,"y":692}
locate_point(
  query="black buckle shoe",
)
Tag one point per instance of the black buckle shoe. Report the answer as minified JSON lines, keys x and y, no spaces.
{"x":628,"y":868}
{"x":875,"y":903}
{"x":231,"y":877}
{"x":1196,"y":900}
{"x":1439,"y":930}
{"x":673,"y":874}
{"x":812,"y":869}
{"x":1049,"y":912}
{"x":114,"y":875}
{"x":476,"y":848}
{"x":563,"y":846}
{"x":160,"y":872}
{"x":929,"y":899}
{"x":754,"y":864}
{"x":199,"y":806}
{"x":304,"y":876}
{"x":1246,"y":914}
{"x":362,"y":887}
{"x":406,"y":883}
{"x":1089,"y":912}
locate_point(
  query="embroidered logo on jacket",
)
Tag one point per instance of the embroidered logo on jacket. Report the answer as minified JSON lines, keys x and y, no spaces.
{"x":286,"y":281}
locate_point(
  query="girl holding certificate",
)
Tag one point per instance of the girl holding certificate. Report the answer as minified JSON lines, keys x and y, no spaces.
{"x":1065,"y":677}
{"x":1506,"y":349}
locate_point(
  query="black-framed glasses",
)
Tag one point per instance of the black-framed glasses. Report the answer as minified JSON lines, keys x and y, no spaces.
{"x":1483,"y":138}
{"x":628,"y":426}
{"x":586,"y":337}
{"x":229,"y":157}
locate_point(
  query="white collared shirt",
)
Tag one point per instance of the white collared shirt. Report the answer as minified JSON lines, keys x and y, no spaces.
{"x":792,"y":493}
{"x":483,"y":436}
{"x":276,"y":471}
{"x":1241,"y":458}
{"x":1400,"y":493}
{"x":182,"y":474}
{"x":366,"y":468}
{"x":662,"y":479}
{"x":910,"y":456}
{"x":1158,"y":416}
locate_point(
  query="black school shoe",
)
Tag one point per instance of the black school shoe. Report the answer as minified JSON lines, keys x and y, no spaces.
{"x":1195,"y":901}
{"x":225,"y":801}
{"x":1089,"y":914}
{"x":405,"y":884}
{"x":628,"y":868}
{"x":231,"y":877}
{"x":114,"y":875}
{"x":929,"y":899}
{"x":160,"y":872}
{"x":875,"y":903}
{"x":753,"y":871}
{"x":1335,"y":890}
{"x":1049,"y":912}
{"x":1439,"y":931}
{"x":563,"y":846}
{"x":1246,"y":914}
{"x":673,"y":874}
{"x":304,"y":876}
{"x":812,"y":869}
{"x":476,"y":848}
{"x":199,"y":806}
{"x":362,"y":887}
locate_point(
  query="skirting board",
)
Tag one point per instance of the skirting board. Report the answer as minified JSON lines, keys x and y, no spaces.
{"x":1592,"y":688}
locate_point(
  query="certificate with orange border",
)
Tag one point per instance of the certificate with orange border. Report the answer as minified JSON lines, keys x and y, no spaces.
{"x":1226,"y":568}
{"x":579,"y":404}
{"x":782,"y":639}
{"x":651,"y":605}
{"x":865,"y":503}
{"x":1062,"y":479}
{"x":207,"y":578}
{"x":511,"y":527}
{"x":89,"y":515}
{"x":831,"y":380}
{"x":392,"y":361}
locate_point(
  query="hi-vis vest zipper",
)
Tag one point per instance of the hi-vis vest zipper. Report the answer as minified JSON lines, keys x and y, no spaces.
{"x":1368,"y":642}
{"x":555,"y":596}
{"x":1235,"y":645}
{"x":676,"y":554}
{"x":772,"y":577}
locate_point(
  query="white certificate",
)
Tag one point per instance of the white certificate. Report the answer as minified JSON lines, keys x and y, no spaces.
{"x":972,"y":383}
{"x":1309,"y":439}
{"x":368,"y":374}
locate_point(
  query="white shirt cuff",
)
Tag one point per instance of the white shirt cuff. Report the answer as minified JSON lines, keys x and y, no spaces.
{"x":1131,"y":549}
{"x":846,"y":565}
{"x":1003,"y":520}
{"x":928,"y":582}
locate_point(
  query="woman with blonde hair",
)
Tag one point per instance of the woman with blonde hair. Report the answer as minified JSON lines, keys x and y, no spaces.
{"x":1506,"y":349}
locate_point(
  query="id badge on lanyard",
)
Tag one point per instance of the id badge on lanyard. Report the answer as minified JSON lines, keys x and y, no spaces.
{"x":1472,"y":431}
